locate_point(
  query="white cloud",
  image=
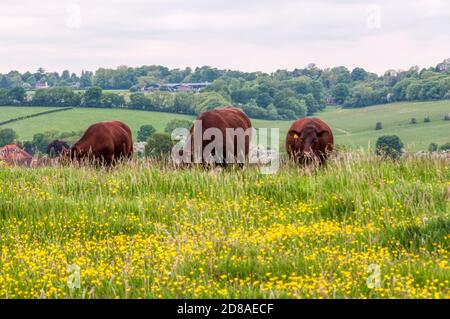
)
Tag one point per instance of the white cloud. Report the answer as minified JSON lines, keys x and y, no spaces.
{"x":249,"y":35}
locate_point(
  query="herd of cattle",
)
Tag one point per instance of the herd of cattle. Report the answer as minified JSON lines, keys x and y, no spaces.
{"x":107,"y":142}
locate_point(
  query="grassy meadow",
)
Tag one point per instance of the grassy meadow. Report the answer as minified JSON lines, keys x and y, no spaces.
{"x":10,"y":112}
{"x":359,"y":227}
{"x":354,"y":128}
{"x":80,"y":119}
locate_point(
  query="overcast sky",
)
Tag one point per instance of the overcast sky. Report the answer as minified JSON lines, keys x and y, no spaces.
{"x":252,"y":35}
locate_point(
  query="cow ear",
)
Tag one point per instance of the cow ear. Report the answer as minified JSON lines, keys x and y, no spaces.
{"x":322,"y":133}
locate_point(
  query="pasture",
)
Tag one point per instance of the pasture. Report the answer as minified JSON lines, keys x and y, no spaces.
{"x":359,"y":227}
{"x":351,"y":127}
{"x":10,"y":112}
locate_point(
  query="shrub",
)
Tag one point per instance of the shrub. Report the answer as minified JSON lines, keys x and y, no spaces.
{"x":111,"y":100}
{"x":433,"y":147}
{"x":159,"y":145}
{"x":427,"y":119}
{"x":445,"y":147}
{"x":389,"y":146}
{"x":41,"y":140}
{"x":378,"y":126}
{"x":7,"y":136}
{"x":92,"y":97}
{"x":447,"y":117}
{"x":29,"y":147}
{"x":145,"y":132}
{"x":413,"y":120}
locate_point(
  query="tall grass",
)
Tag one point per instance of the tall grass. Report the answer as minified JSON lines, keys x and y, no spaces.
{"x":146,"y":229}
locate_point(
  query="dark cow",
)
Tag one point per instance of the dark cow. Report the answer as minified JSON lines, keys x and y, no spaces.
{"x":58,"y":147}
{"x":308,"y":139}
{"x":104,"y":143}
{"x":235,"y":141}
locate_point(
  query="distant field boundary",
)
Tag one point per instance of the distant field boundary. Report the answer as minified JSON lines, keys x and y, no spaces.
{"x":34,"y":115}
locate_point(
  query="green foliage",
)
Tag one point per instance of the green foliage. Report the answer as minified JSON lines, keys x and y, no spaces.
{"x":445,"y":147}
{"x":86,"y":79}
{"x":159,"y":145}
{"x":7,"y":136}
{"x":28,"y":147}
{"x":433,"y":147}
{"x":389,"y":146}
{"x":184,"y":103}
{"x":426,"y":119}
{"x":56,"y":97}
{"x":255,"y":91}
{"x":17,"y":95}
{"x":206,"y":101}
{"x":358,"y":74}
{"x":92,"y":97}
{"x":364,"y":94}
{"x":340,"y":93}
{"x":413,"y":120}
{"x":14,"y":96}
{"x":177,"y":123}
{"x":41,"y":140}
{"x":111,"y":100}
{"x":139,"y":101}
{"x":447,"y":117}
{"x":145,"y":132}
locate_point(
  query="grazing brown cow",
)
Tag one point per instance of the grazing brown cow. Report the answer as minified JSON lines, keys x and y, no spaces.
{"x":233,"y":145}
{"x":309,"y":138}
{"x":58,"y":147}
{"x":104,"y":143}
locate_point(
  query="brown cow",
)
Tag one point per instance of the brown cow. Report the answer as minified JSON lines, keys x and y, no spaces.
{"x":309,"y":138}
{"x":235,"y":129}
{"x":57,"y":147}
{"x":105,"y":143}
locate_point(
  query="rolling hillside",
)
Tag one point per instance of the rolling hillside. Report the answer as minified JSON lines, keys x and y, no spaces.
{"x":9,"y":112}
{"x":352,"y":127}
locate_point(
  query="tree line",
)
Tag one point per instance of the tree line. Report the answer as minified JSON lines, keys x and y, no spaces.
{"x":181,"y":102}
{"x":281,"y":95}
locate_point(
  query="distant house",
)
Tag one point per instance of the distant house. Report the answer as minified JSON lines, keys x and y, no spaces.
{"x":12,"y":154}
{"x":41,"y":85}
{"x":177,"y":87}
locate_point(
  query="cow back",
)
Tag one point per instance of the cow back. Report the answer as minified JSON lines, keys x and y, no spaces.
{"x":223,"y":119}
{"x":105,"y":140}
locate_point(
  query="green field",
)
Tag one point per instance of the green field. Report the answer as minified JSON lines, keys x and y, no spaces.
{"x":360,"y":227}
{"x":10,"y":112}
{"x":81,"y":118}
{"x":352,"y":127}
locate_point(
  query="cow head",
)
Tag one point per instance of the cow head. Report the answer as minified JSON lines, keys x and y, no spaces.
{"x":57,"y":148}
{"x":306,"y":141}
